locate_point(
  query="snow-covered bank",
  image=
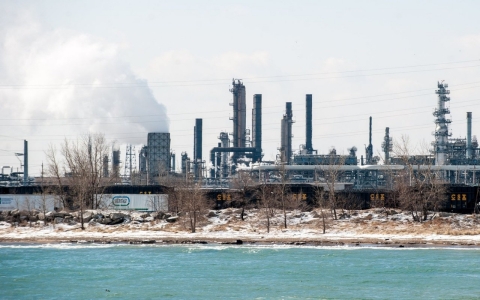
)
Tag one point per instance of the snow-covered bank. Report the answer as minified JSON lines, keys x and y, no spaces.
{"x":373,"y":226}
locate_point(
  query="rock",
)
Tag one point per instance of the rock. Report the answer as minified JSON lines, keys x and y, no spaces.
{"x":71,"y":222}
{"x":392,"y":212}
{"x":158,"y":215}
{"x":172,"y":219}
{"x":117,"y":216}
{"x":115,"y":221}
{"x":212,"y":214}
{"x":369,"y":217}
{"x":60,"y":215}
{"x":149,"y":219}
{"x":315,"y":214}
{"x":41,"y":216}
{"x":58,"y":220}
{"x":105,"y":221}
{"x":98,"y":217}
{"x":33,"y":218}
{"x":199,"y":242}
{"x":15,"y":212}
{"x":87,"y":216}
{"x":239,"y":242}
{"x":148,"y":242}
{"x":445,"y":214}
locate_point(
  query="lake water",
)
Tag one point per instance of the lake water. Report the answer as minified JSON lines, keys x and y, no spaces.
{"x":232,"y":272}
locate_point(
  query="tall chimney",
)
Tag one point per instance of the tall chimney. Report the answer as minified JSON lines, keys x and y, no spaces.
{"x":308,"y":133}
{"x":25,"y":162}
{"x":197,"y":148}
{"x":469,"y":135}
{"x":369,"y":150}
{"x":257,"y":127}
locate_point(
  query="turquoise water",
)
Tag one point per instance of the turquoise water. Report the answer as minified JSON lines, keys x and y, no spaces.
{"x":233,"y":272}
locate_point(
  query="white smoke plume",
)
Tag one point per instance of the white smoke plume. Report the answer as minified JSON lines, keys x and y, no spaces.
{"x":57,"y":84}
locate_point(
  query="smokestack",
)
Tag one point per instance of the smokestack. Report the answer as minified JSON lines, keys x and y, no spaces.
{"x":25,"y":162}
{"x":370,"y":132}
{"x":288,"y":108}
{"x":257,"y":127}
{"x":369,"y":150}
{"x":308,"y":133}
{"x":469,"y":135}
{"x":197,"y":148}
{"x":105,"y":166}
{"x":116,"y":163}
{"x":198,"y":139}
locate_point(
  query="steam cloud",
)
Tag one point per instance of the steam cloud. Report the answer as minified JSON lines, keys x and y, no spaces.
{"x":63,"y":83}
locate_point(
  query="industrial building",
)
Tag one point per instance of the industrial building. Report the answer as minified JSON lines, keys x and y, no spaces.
{"x":455,"y":160}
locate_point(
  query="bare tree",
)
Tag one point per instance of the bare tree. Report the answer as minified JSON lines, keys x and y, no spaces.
{"x":29,"y":206}
{"x":45,"y":201}
{"x":243,"y":182}
{"x":419,"y":187}
{"x":54,"y":169}
{"x":190,"y":198}
{"x":267,"y":202}
{"x":332,"y":174}
{"x":281,"y":191}
{"x":82,"y":166}
{"x":321,"y":198}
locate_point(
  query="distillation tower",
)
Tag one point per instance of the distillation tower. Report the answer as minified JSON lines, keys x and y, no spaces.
{"x":286,"y":137}
{"x":239,"y":117}
{"x":441,"y":130}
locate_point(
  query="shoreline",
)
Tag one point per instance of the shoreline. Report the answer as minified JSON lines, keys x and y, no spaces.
{"x":227,"y":238}
{"x":356,"y":228}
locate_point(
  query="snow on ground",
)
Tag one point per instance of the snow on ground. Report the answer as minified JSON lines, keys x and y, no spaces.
{"x":373,"y":226}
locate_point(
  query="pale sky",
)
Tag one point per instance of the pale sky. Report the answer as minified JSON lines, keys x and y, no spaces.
{"x":126,"y":68}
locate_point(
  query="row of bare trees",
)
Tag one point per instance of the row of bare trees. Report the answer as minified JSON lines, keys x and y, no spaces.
{"x":78,"y":165}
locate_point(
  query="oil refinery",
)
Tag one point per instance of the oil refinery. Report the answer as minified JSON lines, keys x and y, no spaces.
{"x":455,"y":160}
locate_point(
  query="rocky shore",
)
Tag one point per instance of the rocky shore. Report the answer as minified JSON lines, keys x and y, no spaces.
{"x":374,"y":227}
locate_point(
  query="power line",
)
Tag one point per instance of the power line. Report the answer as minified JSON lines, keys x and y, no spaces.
{"x":253,"y":79}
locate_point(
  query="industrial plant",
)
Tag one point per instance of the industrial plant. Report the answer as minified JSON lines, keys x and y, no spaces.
{"x":454,"y":161}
